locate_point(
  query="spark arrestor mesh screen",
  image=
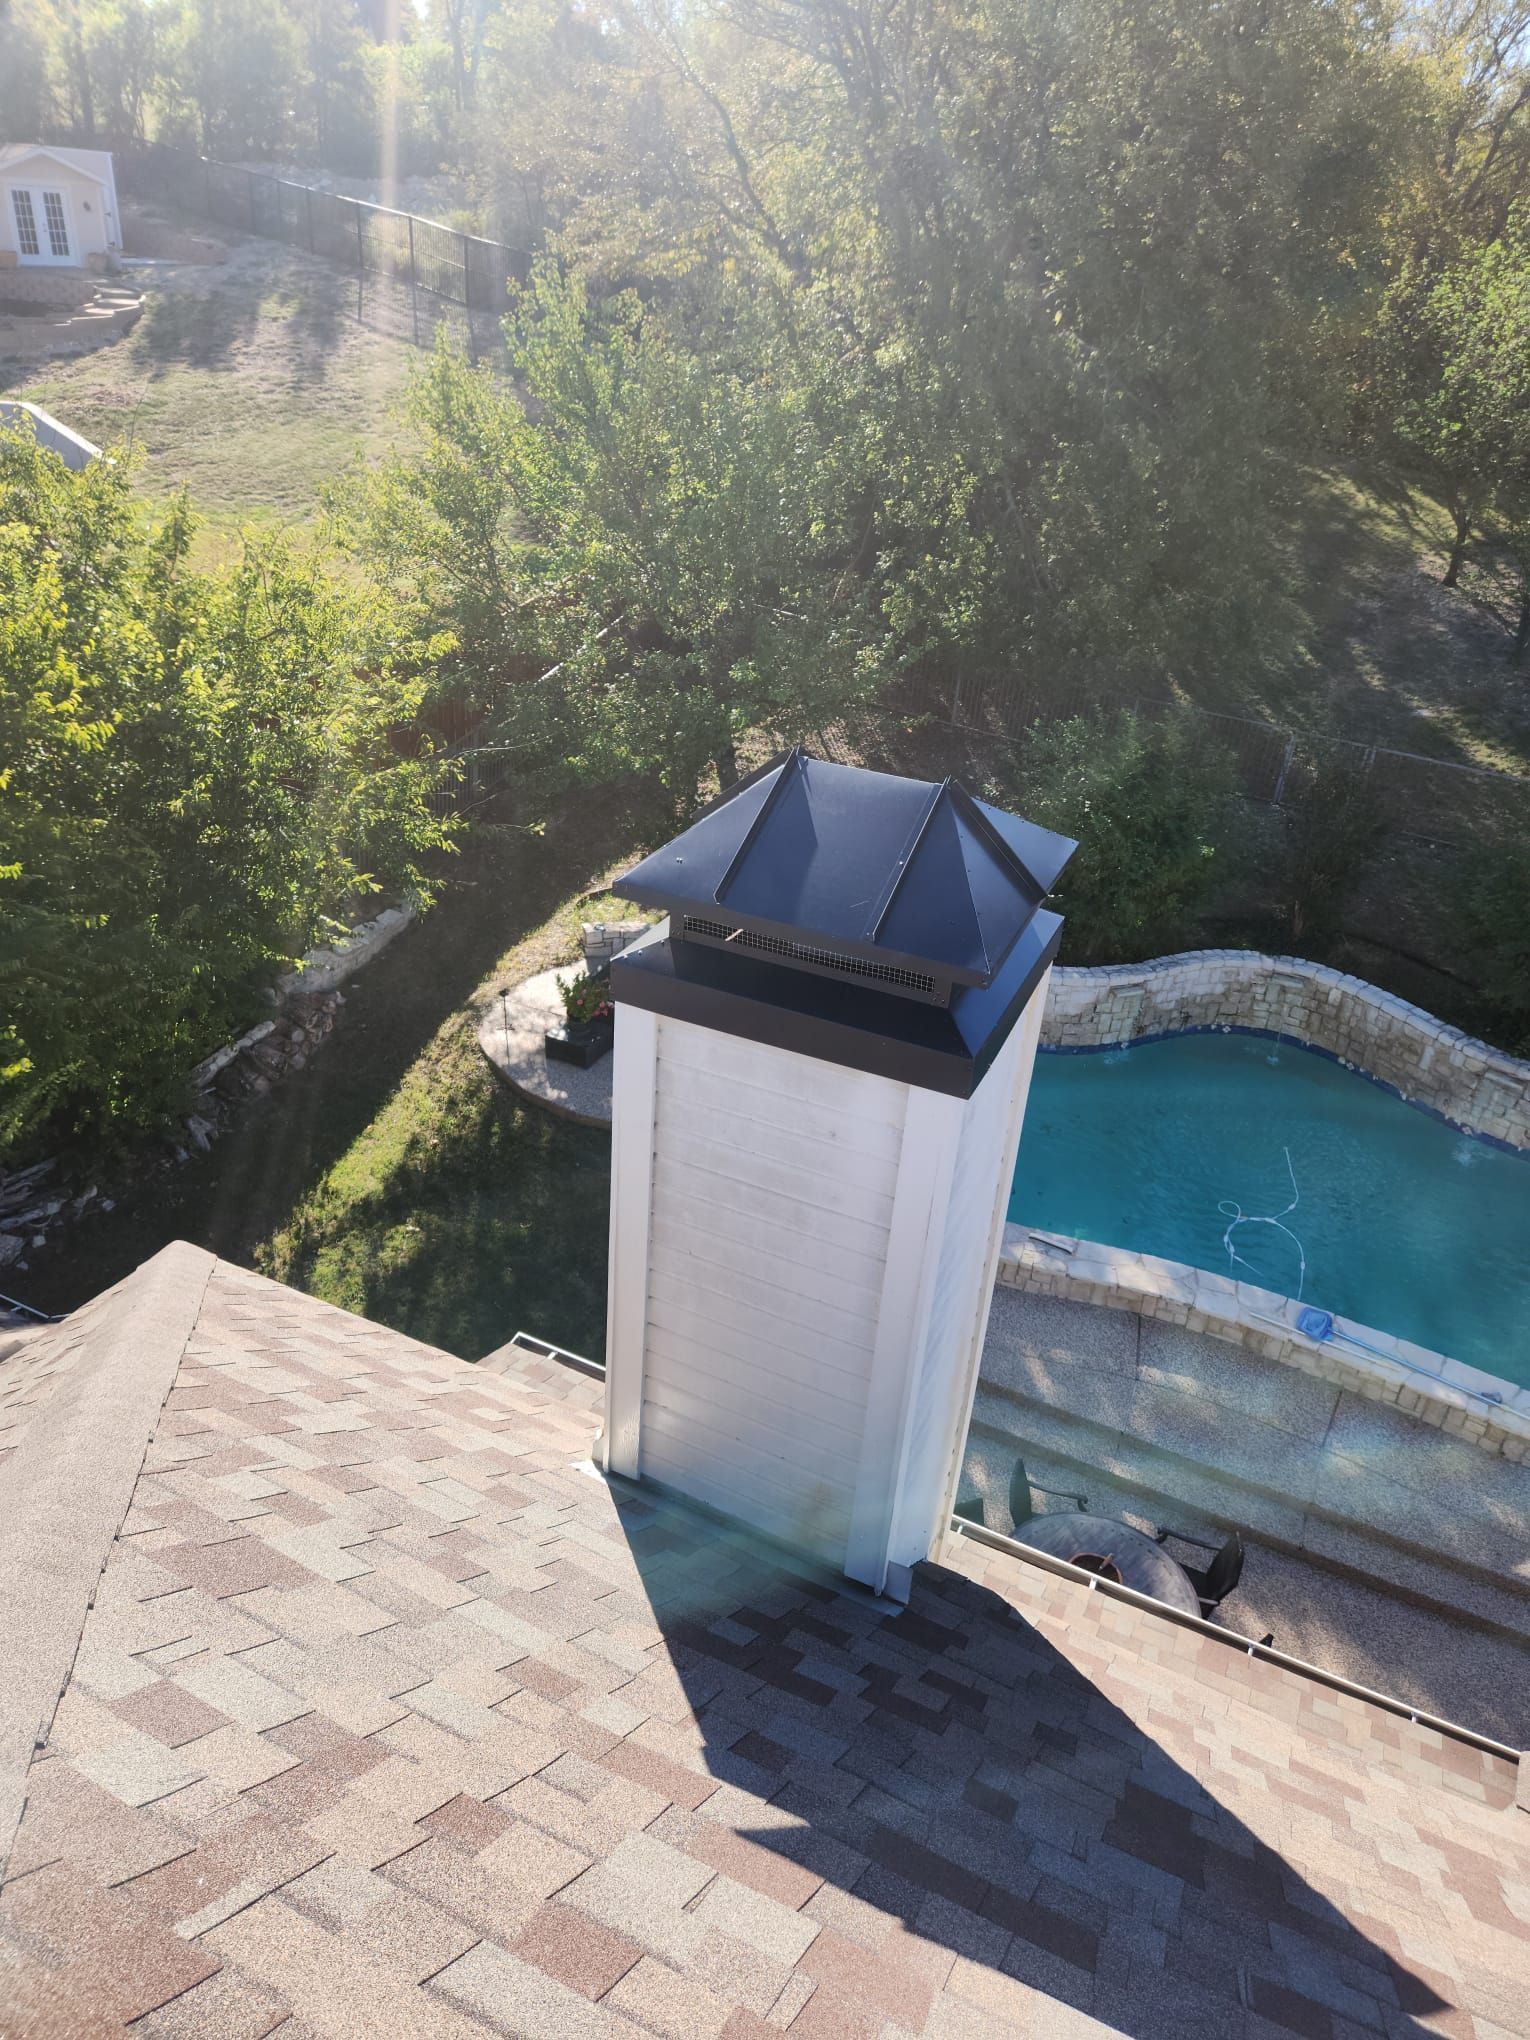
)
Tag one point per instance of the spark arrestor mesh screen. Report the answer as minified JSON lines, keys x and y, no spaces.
{"x":908,"y":984}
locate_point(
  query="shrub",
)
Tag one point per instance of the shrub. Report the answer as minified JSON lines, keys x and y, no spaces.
{"x":585,"y":998}
{"x":1333,"y":822}
{"x":1147,"y":798}
{"x":1491,"y":889}
{"x":196,"y":772}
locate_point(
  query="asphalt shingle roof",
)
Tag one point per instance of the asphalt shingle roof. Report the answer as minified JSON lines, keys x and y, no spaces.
{"x":389,"y":1716}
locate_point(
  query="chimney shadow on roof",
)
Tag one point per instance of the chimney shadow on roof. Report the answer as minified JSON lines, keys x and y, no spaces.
{"x":961,"y":1788}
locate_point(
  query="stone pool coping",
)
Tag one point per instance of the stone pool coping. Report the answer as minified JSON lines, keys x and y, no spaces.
{"x":1474,"y":1087}
{"x":1470,"y":1085}
{"x":1084,"y":1271}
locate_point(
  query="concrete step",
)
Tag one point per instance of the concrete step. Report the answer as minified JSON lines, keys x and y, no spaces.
{"x":71,"y":332}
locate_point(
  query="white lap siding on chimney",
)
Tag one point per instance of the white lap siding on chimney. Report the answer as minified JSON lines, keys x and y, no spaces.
{"x":986,"y":1149}
{"x":802,"y":1258}
{"x":771,"y":1202}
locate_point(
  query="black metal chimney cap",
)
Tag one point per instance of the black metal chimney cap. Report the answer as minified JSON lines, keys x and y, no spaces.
{"x":911,"y":873}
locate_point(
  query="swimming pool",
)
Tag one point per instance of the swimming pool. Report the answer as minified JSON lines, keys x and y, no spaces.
{"x":1406,"y":1224}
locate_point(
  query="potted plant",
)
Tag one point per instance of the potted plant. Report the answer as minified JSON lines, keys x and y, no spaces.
{"x":589,"y":1025}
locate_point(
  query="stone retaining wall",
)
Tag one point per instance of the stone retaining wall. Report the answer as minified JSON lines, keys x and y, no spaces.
{"x":322,"y":969}
{"x":1475,"y":1087}
{"x":306,"y":1003}
{"x":1086,"y":1272}
{"x":601,"y":940}
{"x":64,"y":288}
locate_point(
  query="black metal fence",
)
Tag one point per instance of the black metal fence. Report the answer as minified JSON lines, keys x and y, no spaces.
{"x":1435,"y":800}
{"x":353,"y":233}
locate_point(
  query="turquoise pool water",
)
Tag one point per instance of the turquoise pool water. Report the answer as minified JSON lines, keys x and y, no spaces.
{"x":1406,"y":1224}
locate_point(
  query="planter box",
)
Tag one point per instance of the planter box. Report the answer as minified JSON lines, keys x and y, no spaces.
{"x":582,"y":1045}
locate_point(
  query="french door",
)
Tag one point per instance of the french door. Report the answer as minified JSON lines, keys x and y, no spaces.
{"x":40,"y":217}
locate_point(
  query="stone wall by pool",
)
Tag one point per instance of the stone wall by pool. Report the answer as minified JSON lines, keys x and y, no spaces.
{"x":1474,"y":1086}
{"x":1429,"y":1386}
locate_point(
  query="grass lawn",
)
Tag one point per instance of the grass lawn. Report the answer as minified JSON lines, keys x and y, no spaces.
{"x":397,"y":1175}
{"x":461,"y":1214}
{"x":1392,"y":657}
{"x":251,"y":382}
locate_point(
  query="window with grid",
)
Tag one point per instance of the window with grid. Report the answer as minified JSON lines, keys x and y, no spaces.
{"x":58,"y":225}
{"x":26,"y":223}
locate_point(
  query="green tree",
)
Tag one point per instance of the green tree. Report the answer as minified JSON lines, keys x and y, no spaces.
{"x":1097,"y":257}
{"x":1453,"y":375}
{"x":126,"y":66}
{"x":1491,"y":887}
{"x":199,"y":770}
{"x":236,"y":75}
{"x":676,"y":526}
{"x":1146,"y":798}
{"x":28,"y":97}
{"x":1473,"y":68}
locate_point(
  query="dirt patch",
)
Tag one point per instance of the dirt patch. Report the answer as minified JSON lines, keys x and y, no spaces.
{"x":254,"y":383}
{"x":1395,"y":658}
{"x":149,"y":231}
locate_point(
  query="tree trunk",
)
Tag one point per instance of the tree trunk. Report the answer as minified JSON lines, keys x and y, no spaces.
{"x":1457,"y":551}
{"x":459,"y":65}
{"x":87,"y":105}
{"x":1522,"y":628}
{"x":726,"y":762}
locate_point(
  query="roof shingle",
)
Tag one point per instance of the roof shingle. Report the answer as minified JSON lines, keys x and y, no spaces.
{"x":390,"y":1716}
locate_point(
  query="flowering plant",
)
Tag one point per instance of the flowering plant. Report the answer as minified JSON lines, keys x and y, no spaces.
{"x":585,"y":999}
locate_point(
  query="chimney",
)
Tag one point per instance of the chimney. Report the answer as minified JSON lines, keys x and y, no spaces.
{"x":821,"y":1069}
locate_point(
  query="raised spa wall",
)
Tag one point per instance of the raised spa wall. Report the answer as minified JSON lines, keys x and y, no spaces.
{"x":1473,"y":1086}
{"x":1463,"y":1081}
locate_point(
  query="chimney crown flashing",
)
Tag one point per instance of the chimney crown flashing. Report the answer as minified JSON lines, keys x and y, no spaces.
{"x":947,"y":1049}
{"x":916,"y":882}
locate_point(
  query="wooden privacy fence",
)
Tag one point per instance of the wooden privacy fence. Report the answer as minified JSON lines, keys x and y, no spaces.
{"x":353,"y":233}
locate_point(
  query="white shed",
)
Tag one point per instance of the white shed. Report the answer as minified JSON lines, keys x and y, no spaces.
{"x":822,"y":1062}
{"x":58,"y":207}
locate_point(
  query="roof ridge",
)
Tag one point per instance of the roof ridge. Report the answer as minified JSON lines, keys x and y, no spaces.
{"x":66,"y":1489}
